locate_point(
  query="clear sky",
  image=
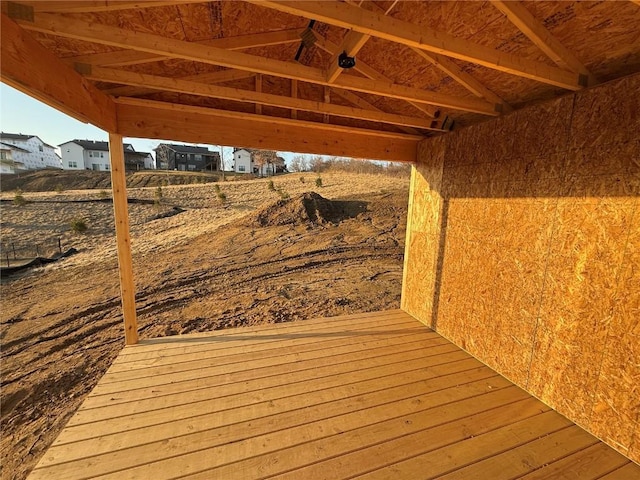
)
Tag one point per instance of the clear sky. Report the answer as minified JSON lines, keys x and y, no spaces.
{"x":20,"y":113}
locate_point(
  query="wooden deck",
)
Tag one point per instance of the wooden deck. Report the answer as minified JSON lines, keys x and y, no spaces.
{"x":374,"y":395}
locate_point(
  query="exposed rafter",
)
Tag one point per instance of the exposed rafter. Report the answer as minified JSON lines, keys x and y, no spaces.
{"x":449,"y":67}
{"x":214,"y":77}
{"x":352,"y":43}
{"x":258,"y":85}
{"x":88,"y":6}
{"x":213,"y":91}
{"x":331,"y":48}
{"x":27,"y":66}
{"x":132,"y":57}
{"x":148,"y":119}
{"x":294,"y":94}
{"x":517,"y":13}
{"x":118,"y":37}
{"x":375,"y":24}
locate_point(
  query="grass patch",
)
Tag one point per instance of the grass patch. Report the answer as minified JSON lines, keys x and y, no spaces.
{"x":18,"y":198}
{"x":78,"y":225}
{"x":318,"y":182}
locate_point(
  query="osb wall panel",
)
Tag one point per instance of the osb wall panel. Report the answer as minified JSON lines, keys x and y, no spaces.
{"x":534,"y":252}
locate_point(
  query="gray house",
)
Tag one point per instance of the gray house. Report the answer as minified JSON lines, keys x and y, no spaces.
{"x":170,"y":156}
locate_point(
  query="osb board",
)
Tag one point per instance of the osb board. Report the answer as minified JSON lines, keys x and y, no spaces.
{"x":423,"y":231}
{"x":538,"y":267}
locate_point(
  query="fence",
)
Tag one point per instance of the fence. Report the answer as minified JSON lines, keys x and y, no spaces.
{"x":15,"y":253}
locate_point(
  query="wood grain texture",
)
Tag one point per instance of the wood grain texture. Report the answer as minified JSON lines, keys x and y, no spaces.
{"x":538,"y":277}
{"x":380,"y":393}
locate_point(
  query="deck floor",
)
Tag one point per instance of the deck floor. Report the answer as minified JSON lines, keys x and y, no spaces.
{"x":374,"y":395}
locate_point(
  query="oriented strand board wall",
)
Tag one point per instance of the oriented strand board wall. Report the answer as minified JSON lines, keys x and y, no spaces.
{"x":524,"y":249}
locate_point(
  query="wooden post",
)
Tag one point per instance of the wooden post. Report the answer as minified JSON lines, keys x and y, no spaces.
{"x":121,"y":214}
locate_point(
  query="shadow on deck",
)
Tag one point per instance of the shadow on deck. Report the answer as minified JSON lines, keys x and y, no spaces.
{"x":373,"y":395}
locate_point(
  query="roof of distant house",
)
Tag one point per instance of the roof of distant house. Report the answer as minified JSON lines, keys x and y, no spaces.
{"x":98,"y":145}
{"x":21,"y":137}
{"x":187,"y":149}
{"x":14,"y":147}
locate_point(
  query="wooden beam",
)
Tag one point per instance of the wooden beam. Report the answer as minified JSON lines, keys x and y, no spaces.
{"x":362,"y":103}
{"x":147,"y":119}
{"x":327,"y":100}
{"x":331,"y":48}
{"x":118,"y":37}
{"x":294,"y":94}
{"x":449,"y":67}
{"x":352,"y":43}
{"x":123,"y":240}
{"x":122,"y":58}
{"x":258,"y":90}
{"x":540,"y":36}
{"x":89,"y":6}
{"x":27,"y":66}
{"x":229,"y":93}
{"x":213,"y":77}
{"x":375,"y":24}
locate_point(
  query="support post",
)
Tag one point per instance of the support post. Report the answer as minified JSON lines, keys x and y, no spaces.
{"x":121,"y":214}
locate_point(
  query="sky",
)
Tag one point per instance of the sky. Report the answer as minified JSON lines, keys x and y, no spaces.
{"x":20,"y":113}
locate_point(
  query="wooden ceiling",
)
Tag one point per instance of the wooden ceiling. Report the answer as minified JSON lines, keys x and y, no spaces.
{"x":225,"y":71}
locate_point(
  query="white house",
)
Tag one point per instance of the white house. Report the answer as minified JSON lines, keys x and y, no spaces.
{"x":8,"y":164}
{"x":33,"y":153}
{"x":94,"y":155}
{"x":258,"y":162}
{"x":242,"y":161}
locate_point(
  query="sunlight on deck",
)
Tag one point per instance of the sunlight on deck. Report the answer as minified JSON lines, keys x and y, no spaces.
{"x":372,"y":395}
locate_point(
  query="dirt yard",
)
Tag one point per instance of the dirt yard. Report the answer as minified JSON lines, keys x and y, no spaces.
{"x":254,"y":259}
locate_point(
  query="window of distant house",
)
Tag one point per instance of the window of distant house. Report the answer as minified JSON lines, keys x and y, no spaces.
{"x":91,"y":154}
{"x":106,"y":166}
{"x":73,"y":164}
{"x":40,"y":148}
{"x":3,"y":155}
{"x":101,"y":155}
{"x":241,"y":168}
{"x":198,"y":158}
{"x":192,"y":167}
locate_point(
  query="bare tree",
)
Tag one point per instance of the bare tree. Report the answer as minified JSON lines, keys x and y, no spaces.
{"x":299,"y":164}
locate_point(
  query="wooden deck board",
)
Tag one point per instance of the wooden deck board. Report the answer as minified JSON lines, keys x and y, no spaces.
{"x":373,"y":395}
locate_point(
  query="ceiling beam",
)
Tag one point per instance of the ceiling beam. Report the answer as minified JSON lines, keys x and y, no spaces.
{"x":448,"y":66}
{"x":331,"y":48}
{"x":352,"y":43}
{"x":89,"y":6}
{"x":30,"y":68}
{"x":122,"y":58}
{"x":212,"y":77}
{"x":362,"y":103}
{"x":375,"y":24}
{"x":118,"y":37}
{"x":227,"y":93}
{"x":258,"y":85}
{"x":147,"y":119}
{"x":540,"y":36}
{"x":294,"y":94}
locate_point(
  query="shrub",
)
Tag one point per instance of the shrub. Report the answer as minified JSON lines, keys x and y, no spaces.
{"x":59,"y":188}
{"x":158,"y":196}
{"x":78,"y":225}
{"x":301,"y":179}
{"x":222,"y":197}
{"x":318,"y":182}
{"x":271,"y":186}
{"x":283,"y":194}
{"x":216,"y":188}
{"x":18,"y":198}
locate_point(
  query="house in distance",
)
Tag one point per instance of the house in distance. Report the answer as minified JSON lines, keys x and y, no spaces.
{"x":258,"y":162}
{"x":188,"y":158}
{"x":94,"y":155}
{"x":28,"y":152}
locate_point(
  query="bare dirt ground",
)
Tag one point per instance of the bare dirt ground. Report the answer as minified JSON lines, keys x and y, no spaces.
{"x":256,"y":259}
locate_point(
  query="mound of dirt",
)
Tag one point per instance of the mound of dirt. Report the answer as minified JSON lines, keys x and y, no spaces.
{"x":307,"y":208}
